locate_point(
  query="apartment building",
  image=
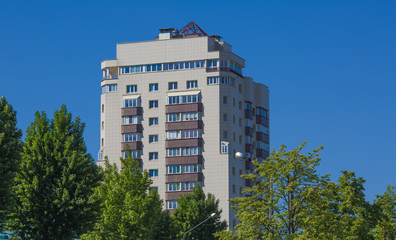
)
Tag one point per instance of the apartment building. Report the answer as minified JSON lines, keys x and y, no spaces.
{"x":182,"y":106}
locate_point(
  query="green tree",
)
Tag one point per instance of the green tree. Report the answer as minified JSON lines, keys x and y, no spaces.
{"x":276,"y":207}
{"x":56,"y":180}
{"x":129,"y":211}
{"x":193,"y":209}
{"x":10,"y":149}
{"x":386,"y":204}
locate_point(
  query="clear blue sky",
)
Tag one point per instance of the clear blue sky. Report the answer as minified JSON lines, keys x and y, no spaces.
{"x":330,"y":66}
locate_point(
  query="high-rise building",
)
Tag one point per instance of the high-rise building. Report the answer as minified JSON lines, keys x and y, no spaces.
{"x":183,"y":107}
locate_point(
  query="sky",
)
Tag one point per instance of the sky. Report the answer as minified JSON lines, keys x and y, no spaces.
{"x":330,"y":67}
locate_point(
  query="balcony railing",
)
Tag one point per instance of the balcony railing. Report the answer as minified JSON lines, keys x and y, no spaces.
{"x":110,"y":77}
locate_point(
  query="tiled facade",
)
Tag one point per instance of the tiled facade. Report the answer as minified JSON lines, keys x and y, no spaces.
{"x":183,"y":107}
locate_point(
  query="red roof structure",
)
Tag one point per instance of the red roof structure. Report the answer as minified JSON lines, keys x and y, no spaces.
{"x":192,"y":29}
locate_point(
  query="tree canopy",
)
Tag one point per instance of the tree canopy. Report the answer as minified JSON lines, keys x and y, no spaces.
{"x":10,"y":150}
{"x":193,"y":209}
{"x":129,"y":211}
{"x":55,"y":182}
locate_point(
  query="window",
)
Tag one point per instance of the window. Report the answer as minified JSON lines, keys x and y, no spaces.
{"x":240,"y":88}
{"x":190,"y":116}
{"x":153,"y":104}
{"x":233,"y":119}
{"x":186,"y":186}
{"x":191,"y":168}
{"x":190,"y":151}
{"x":240,"y":139}
{"x":262,"y":145}
{"x":153,"y":121}
{"x":131,"y":137}
{"x":191,"y":133}
{"x":153,"y":87}
{"x":153,"y":138}
{"x":172,"y":86}
{"x":224,"y":99}
{"x":173,"y":135}
{"x":184,"y":65}
{"x":173,"y":152}
{"x":135,"y":102}
{"x":261,"y":128}
{"x":153,"y":156}
{"x":233,"y":136}
{"x":173,"y":187}
{"x":240,"y":122}
{"x":225,"y":134}
{"x":233,"y":188}
{"x":240,"y":105}
{"x":102,"y":142}
{"x":172,"y":204}
{"x":131,"y":120}
{"x":248,"y":123}
{"x":220,"y":80}
{"x":248,"y":106}
{"x":131,"y":88}
{"x":153,"y":172}
{"x":151,"y":189}
{"x":240,"y":191}
{"x":224,"y":147}
{"x":240,"y":172}
{"x":141,"y":68}
{"x":102,"y":125}
{"x":233,"y":171}
{"x":174,"y":169}
{"x":192,"y":84}
{"x":109,"y":88}
{"x":225,"y":117}
{"x":233,"y":102}
{"x":248,"y":139}
{"x":173,"y":117}
{"x":134,"y":154}
{"x":262,"y":112}
{"x":102,"y":108}
{"x":212,"y":63}
{"x":184,"y":99}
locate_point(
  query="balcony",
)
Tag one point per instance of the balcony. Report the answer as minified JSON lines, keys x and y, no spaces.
{"x":247,"y":183}
{"x":132,"y":128}
{"x":184,"y":177}
{"x":131,"y":111}
{"x":197,"y":124}
{"x":262,"y":153}
{"x":189,"y":142}
{"x":262,"y":120}
{"x":197,"y":159}
{"x":249,"y":114}
{"x":260,"y":136}
{"x":187,"y":107}
{"x":110,"y":77}
{"x":226,"y":69}
{"x":175,"y":195}
{"x":249,"y":148}
{"x":248,"y":165}
{"x":131,"y":145}
{"x":249,"y":131}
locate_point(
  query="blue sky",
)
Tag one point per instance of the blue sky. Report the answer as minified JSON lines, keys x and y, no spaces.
{"x":330,"y":66}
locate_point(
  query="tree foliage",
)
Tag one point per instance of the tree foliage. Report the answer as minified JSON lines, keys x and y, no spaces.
{"x":292,"y":201}
{"x":55,"y":182}
{"x":129,"y":211}
{"x":193,"y":209}
{"x":10,"y":149}
{"x":386,"y":206}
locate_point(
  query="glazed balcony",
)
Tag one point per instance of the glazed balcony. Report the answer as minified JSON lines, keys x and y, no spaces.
{"x":131,"y":145}
{"x":187,"y":107}
{"x":131,"y":128}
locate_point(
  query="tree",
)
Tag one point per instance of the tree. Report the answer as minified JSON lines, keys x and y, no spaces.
{"x":10,"y":149}
{"x":129,"y":211}
{"x":56,"y":180}
{"x":386,"y":205}
{"x":193,"y":209}
{"x":277,"y":204}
